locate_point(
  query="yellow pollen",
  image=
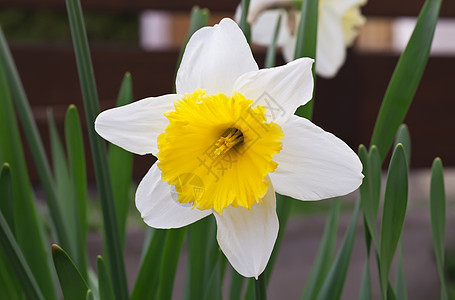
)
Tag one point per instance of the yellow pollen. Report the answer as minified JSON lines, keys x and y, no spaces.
{"x":231,"y":138}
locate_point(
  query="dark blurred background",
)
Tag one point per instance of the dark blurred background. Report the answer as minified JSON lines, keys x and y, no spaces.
{"x":144,"y":38}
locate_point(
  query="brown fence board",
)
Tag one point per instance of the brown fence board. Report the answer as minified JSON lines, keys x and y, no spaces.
{"x":389,"y":8}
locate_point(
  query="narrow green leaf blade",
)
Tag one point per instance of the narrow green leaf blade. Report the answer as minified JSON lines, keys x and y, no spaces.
{"x":149,"y":273}
{"x":104,"y":281}
{"x":121,"y":164}
{"x":367,"y":201}
{"x":89,"y":295}
{"x":271,"y":51}
{"x":214,"y":282}
{"x":404,"y":137}
{"x":306,"y":44}
{"x":438,"y":219}
{"x":236,"y":287}
{"x":244,"y":25}
{"x":72,"y":284}
{"x":6,"y":195}
{"x":198,"y":263}
{"x":406,"y":78}
{"x":28,"y":230}
{"x":76,"y":165}
{"x":325,"y":255}
{"x":33,"y":138}
{"x":395,"y":202}
{"x":171,"y":254}
{"x":63,"y":186}
{"x":334,"y":282}
{"x":365,"y":287}
{"x":15,"y":257}
{"x":90,"y":98}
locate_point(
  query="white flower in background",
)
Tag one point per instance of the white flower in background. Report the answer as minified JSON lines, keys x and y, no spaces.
{"x":338,"y":25}
{"x":219,"y":154}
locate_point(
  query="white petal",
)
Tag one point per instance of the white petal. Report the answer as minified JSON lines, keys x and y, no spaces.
{"x":214,"y":58}
{"x":157,"y":203}
{"x":330,"y":48}
{"x":281,"y":90}
{"x":247,"y":237}
{"x":135,"y":127}
{"x":314,"y":164}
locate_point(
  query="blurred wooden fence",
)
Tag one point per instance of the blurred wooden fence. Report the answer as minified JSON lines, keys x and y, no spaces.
{"x":346,"y":105}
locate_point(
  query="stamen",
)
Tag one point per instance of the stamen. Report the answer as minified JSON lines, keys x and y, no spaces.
{"x":230,"y":138}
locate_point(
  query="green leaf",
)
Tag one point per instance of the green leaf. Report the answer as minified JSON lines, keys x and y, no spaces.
{"x":236,"y":286}
{"x":395,"y":202}
{"x":365,"y":287}
{"x":171,"y":253}
{"x":91,"y":105}
{"x":271,"y":51}
{"x":400,"y":281}
{"x":260,"y":288}
{"x":148,"y":276}
{"x":76,"y":164}
{"x":6,"y":196}
{"x":199,"y":19}
{"x":35,"y":144}
{"x":104,"y":281}
{"x":214,"y":281}
{"x":438,"y":219}
{"x":403,"y":137}
{"x":244,"y":25}
{"x":325,"y":254}
{"x":9,"y":286}
{"x":63,"y":186}
{"x":283,"y":211}
{"x":334,"y":282}
{"x":17,"y":260}
{"x":28,"y":230}
{"x":121,"y":164}
{"x":72,"y":284}
{"x":306,"y":44}
{"x":89,"y":295}
{"x":375,"y":175}
{"x":367,"y":199}
{"x":198,"y":264}
{"x":406,"y":78}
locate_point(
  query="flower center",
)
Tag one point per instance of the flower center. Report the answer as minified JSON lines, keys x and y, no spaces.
{"x":230,"y":138}
{"x":225,"y":143}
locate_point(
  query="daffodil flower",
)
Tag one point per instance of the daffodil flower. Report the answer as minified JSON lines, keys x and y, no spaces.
{"x":221,"y":151}
{"x":338,"y":25}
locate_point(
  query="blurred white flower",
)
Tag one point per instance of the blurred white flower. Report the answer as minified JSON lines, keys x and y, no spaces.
{"x":338,"y":25}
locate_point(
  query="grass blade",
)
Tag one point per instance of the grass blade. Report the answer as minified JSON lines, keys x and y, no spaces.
{"x":34,"y":141}
{"x":76,"y":163}
{"x":334,"y":282}
{"x":148,"y":276}
{"x":63,"y":185}
{"x":365,"y":287}
{"x":244,"y":25}
{"x":28,"y":229}
{"x":395,"y":202}
{"x":19,"y":265}
{"x":171,"y":253}
{"x":271,"y":51}
{"x":198,"y":265}
{"x":406,"y":78}
{"x":104,"y":281}
{"x":306,"y":44}
{"x":6,"y":196}
{"x":438,"y":219}
{"x":90,"y":97}
{"x":325,"y":254}
{"x":121,"y":164}
{"x":72,"y":284}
